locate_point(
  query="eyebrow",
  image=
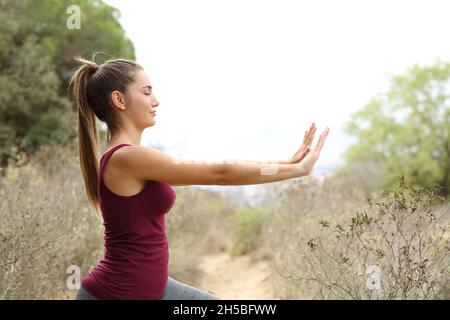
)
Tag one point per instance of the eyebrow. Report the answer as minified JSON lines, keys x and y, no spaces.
{"x":150,"y":87}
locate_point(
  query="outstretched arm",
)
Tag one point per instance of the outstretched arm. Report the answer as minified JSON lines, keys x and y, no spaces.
{"x":148,"y":163}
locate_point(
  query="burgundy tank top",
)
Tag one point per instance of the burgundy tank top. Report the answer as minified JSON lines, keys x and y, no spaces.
{"x":136,"y":252}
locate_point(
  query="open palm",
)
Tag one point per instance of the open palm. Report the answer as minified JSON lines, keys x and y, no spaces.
{"x":305,"y":146}
{"x":310,"y":159}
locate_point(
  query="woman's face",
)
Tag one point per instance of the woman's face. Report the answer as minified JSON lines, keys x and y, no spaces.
{"x":140,"y":102}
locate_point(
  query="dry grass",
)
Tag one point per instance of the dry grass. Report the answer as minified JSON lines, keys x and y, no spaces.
{"x":314,"y":258}
{"x":46,"y":225}
{"x":197,"y":225}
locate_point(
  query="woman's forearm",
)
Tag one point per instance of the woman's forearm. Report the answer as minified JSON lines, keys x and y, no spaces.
{"x":261,"y":162}
{"x":246,"y":172}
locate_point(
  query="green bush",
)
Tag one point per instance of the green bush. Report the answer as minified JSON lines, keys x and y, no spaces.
{"x":247,"y":224}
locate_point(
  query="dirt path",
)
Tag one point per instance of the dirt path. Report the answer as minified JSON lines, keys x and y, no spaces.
{"x":229,"y":277}
{"x":237,"y":277}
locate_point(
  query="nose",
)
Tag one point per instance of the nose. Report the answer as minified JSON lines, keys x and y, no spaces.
{"x":155,"y":102}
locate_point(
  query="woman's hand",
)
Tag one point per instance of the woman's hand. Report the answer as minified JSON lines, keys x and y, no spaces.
{"x":308,"y":161}
{"x":305,"y":147}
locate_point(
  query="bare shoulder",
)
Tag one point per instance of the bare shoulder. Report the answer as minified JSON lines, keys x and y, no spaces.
{"x":133,"y":150}
{"x":130,"y":157}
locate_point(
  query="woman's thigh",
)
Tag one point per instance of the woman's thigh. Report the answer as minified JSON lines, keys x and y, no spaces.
{"x":176,"y":290}
{"x":82,"y":294}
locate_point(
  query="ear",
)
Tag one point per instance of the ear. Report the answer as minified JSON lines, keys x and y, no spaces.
{"x":118,"y":99}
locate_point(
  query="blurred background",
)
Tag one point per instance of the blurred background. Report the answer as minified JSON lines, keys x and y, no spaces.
{"x":241,"y":80}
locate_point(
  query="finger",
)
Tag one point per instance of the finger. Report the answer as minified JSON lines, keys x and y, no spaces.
{"x":300,"y":153}
{"x":308,"y":149}
{"x":305,"y":136}
{"x":322,"y":139}
{"x":307,"y":132}
{"x":308,"y":137}
{"x":311,"y":136}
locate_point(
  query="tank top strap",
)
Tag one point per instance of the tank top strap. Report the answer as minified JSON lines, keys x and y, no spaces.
{"x":106,"y":156}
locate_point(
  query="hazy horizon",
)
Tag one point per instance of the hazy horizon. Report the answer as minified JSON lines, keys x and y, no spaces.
{"x":244,"y":80}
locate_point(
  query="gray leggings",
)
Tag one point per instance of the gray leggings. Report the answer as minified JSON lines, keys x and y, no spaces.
{"x":175,"y":290}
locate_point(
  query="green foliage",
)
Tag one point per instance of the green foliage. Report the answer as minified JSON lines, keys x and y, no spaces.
{"x":53,"y":128}
{"x":36,"y":59}
{"x":247,"y":224}
{"x":406,"y":130}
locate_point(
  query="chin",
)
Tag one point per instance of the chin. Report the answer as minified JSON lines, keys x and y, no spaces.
{"x":151,"y":124}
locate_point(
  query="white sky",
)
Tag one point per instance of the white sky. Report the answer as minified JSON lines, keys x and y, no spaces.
{"x":244,"y":79}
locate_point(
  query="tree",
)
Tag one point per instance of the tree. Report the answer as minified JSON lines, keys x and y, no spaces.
{"x":36,"y":60}
{"x":406,"y":130}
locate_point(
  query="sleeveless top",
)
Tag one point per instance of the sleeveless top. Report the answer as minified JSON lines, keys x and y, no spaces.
{"x":136,"y":251}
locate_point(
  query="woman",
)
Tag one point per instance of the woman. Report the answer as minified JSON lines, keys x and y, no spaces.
{"x":132,"y":183}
